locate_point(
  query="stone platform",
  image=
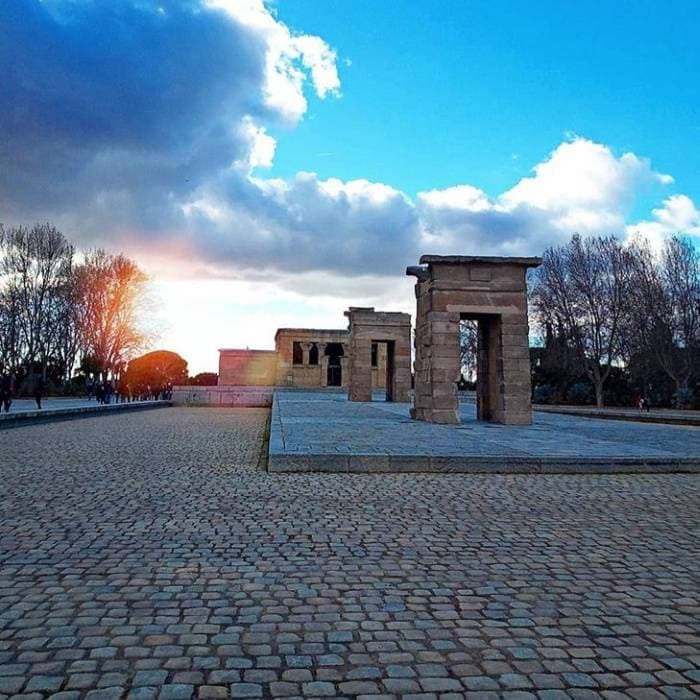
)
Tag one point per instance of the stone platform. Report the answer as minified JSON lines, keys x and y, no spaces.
{"x":318,"y":431}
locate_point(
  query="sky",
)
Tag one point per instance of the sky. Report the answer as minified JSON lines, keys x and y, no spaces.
{"x":271,"y":164}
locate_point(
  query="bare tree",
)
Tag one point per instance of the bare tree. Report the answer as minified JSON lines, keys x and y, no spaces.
{"x":680,"y":273}
{"x":468,"y":340}
{"x":583,"y":287}
{"x":664,"y":321}
{"x":111,"y":295}
{"x":35,"y":265}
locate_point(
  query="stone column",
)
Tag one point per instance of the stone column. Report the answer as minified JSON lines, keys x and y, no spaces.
{"x":513,"y":357}
{"x":345,"y":371}
{"x":443,"y":370}
{"x":402,"y":369}
{"x":360,"y":379}
{"x":437,"y":360}
{"x":306,"y":348}
{"x":323,"y":363}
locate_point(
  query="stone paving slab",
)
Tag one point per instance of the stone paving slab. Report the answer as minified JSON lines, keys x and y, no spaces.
{"x":324,"y":432}
{"x":143,"y":555}
{"x":24,"y":411}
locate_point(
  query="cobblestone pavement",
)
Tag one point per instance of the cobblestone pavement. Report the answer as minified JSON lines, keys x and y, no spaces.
{"x":144,"y":556}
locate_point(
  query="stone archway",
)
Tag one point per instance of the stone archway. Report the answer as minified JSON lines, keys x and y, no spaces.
{"x":392,"y":329}
{"x":492,"y":291}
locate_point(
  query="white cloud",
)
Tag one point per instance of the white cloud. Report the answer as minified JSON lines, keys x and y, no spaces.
{"x":303,"y":223}
{"x":288,"y":58}
{"x":582,"y":174}
{"x":677,"y":215}
{"x":260,"y":151}
{"x":460,"y":197}
{"x":581,"y":187}
{"x":320,"y":59}
{"x":166,"y":158}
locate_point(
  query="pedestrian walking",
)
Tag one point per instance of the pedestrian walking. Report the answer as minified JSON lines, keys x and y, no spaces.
{"x":39,"y":390}
{"x":6,"y":392}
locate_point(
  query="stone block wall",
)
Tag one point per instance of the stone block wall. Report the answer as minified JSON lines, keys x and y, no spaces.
{"x":223,"y":396}
{"x":306,"y":375}
{"x":247,"y":367}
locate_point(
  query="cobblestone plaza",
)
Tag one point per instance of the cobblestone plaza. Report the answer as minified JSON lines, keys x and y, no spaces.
{"x":147,"y":555}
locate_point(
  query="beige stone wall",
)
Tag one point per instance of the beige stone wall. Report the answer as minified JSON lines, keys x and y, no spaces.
{"x":379,"y":372}
{"x":247,"y":367}
{"x":269,"y":368}
{"x":229,"y":396}
{"x":305,"y":375}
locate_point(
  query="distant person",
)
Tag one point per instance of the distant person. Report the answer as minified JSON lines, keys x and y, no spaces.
{"x":6,"y":392}
{"x":89,"y":387}
{"x":39,"y":390}
{"x":99,"y":392}
{"x":109,"y":390}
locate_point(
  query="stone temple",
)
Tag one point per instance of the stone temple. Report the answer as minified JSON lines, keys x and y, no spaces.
{"x":374,"y":352}
{"x":306,"y":358}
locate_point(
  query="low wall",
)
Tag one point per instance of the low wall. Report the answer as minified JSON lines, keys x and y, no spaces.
{"x":223,"y":395}
{"x":19,"y":418}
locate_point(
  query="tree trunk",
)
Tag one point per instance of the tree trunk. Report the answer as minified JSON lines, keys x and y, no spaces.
{"x":682,"y":384}
{"x":598,"y":384}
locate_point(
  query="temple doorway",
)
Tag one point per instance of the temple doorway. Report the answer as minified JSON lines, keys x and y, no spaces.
{"x":334,"y":352}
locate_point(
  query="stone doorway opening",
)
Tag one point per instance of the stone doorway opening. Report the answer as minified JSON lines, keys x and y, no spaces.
{"x":479,"y":346}
{"x":468,"y":358}
{"x":334,"y":353}
{"x":383,"y":367}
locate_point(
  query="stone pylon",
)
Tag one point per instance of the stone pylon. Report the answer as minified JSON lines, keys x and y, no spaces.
{"x":492,"y":291}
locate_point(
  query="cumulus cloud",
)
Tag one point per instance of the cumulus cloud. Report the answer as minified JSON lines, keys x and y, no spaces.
{"x":677,"y":214}
{"x":305,"y":223}
{"x":143,"y":124}
{"x":581,"y":187}
{"x":116,"y":113}
{"x":287,"y":56}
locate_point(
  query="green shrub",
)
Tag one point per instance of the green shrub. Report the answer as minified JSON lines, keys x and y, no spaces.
{"x":580,"y":393}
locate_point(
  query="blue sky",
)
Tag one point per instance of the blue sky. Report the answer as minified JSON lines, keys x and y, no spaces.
{"x":440,"y":93}
{"x":270,"y":164}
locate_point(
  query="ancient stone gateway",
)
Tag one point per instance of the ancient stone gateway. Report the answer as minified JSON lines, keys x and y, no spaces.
{"x":492,"y":291}
{"x":367,"y":329}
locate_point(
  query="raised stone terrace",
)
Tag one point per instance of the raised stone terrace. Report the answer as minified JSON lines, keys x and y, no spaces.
{"x":325,"y":432}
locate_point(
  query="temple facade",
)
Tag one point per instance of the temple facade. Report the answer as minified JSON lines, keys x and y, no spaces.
{"x":308,"y":358}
